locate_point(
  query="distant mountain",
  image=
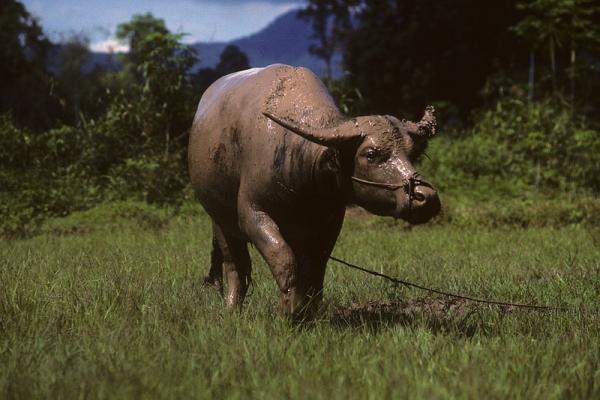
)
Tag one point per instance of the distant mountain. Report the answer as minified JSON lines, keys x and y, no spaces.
{"x":108,"y":61}
{"x":285,"y":40}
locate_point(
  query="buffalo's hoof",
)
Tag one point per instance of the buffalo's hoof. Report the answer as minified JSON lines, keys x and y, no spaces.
{"x":213,"y":283}
{"x":299,"y":307}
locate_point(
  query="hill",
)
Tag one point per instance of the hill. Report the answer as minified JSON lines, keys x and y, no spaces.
{"x":285,"y":40}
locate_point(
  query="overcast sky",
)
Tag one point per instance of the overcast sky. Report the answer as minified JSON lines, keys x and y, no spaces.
{"x":204,"y":20}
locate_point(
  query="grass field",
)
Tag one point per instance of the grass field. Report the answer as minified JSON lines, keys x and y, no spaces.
{"x":114,"y":308}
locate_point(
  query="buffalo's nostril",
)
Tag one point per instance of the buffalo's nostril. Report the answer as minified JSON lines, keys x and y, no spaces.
{"x":418,"y":196}
{"x":423,"y":193}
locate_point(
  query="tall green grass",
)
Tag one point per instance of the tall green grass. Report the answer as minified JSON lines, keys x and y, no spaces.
{"x":116,"y":310}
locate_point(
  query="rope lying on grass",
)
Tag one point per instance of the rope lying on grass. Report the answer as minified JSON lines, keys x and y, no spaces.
{"x":458,"y":296}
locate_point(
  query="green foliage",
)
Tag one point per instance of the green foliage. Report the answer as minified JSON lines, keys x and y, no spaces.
{"x":30,"y":198}
{"x":136,"y":34}
{"x":560,"y":22}
{"x":327,"y":18}
{"x":124,"y":134}
{"x":82,"y":90}
{"x":232,"y":59}
{"x":515,"y":146}
{"x":403,"y":55}
{"x":152,"y":179}
{"x":41,"y":175}
{"x":136,"y":149}
{"x":545,"y":144}
{"x":24,"y":83}
{"x":348,"y":98}
{"x":486,"y":208}
{"x":159,"y":64}
{"x":564,"y":26}
{"x":110,"y":216}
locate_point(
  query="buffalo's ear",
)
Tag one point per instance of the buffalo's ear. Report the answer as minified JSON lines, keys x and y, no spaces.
{"x":338,"y":136}
{"x":328,"y":171}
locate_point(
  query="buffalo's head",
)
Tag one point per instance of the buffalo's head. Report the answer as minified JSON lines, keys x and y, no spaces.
{"x":379,"y":153}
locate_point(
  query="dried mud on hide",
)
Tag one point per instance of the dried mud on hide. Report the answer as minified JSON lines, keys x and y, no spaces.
{"x":438,"y":313}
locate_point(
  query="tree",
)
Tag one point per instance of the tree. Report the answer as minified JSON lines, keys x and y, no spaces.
{"x":160,"y":65}
{"x":135,"y":34}
{"x":328,"y":19}
{"x":404,"y":54}
{"x":74,"y":54}
{"x":25,"y":84}
{"x":561,"y":23}
{"x":232,"y":59}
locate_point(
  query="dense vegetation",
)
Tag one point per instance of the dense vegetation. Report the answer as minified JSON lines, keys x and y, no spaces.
{"x":73,"y":134}
{"x":109,"y":134}
{"x":404,"y":54}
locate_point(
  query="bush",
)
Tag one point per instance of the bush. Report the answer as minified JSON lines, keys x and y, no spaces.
{"x":546,"y":144}
{"x":153,"y":179}
{"x":515,"y":147}
{"x":532,"y":211}
{"x":67,"y":169}
{"x":109,"y":216}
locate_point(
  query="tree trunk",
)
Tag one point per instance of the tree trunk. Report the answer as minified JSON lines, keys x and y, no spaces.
{"x":328,"y":69}
{"x":531,"y":85}
{"x":553,"y":67}
{"x":573,"y":73}
{"x":167,"y":140}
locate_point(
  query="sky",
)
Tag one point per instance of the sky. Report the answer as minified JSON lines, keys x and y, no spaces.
{"x":203,"y":20}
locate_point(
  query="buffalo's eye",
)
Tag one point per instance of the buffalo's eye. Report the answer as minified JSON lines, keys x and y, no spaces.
{"x":374,"y":155}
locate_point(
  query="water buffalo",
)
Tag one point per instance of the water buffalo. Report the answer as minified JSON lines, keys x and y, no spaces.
{"x":274,"y":163}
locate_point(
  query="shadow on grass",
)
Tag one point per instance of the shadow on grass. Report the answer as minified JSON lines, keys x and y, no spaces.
{"x":439,"y":314}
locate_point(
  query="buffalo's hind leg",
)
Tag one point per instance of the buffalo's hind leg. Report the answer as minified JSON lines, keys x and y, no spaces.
{"x":214,"y":278}
{"x":236,"y":262}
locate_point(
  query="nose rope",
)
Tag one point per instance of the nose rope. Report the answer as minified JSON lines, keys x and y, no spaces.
{"x":409,"y":182}
{"x":411,"y":185}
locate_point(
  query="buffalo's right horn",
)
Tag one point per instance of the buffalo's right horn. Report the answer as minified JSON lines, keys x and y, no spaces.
{"x":331,"y":137}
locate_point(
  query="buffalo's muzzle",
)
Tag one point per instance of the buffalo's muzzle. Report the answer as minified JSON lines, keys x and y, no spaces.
{"x":419,"y":205}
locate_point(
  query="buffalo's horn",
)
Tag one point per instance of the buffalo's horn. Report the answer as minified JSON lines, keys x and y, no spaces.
{"x":426,"y":127}
{"x":338,"y":135}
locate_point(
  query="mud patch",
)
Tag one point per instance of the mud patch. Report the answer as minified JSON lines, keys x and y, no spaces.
{"x":440,"y":314}
{"x":219,"y":155}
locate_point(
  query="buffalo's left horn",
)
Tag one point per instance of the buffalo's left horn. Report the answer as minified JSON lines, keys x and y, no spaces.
{"x":338,"y":135}
{"x":427,"y":126}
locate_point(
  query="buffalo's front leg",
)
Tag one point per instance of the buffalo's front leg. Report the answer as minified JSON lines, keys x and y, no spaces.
{"x":318,"y":251}
{"x":265,"y":234}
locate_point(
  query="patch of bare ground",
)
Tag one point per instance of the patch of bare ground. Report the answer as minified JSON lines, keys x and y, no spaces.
{"x":440,"y":314}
